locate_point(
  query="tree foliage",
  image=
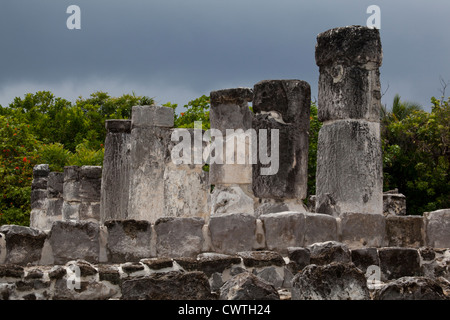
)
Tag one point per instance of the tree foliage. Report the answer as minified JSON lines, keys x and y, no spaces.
{"x":416,"y":148}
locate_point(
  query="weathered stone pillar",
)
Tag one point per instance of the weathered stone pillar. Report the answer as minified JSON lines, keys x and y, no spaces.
{"x":116,"y":171}
{"x":39,"y":200}
{"x":231,"y":168}
{"x":186,"y":185}
{"x":55,"y":197}
{"x":282,"y":109}
{"x":150,"y":137}
{"x":81,"y":193}
{"x":349,"y":158}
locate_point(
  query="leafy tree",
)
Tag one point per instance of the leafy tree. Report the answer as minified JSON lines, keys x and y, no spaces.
{"x":196,"y":110}
{"x":18,"y":155}
{"x":417,"y":157}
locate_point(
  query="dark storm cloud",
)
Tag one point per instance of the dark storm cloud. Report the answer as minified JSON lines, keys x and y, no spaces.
{"x":177,"y":48}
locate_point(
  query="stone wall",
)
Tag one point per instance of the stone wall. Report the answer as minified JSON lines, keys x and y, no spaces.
{"x":146,"y":226}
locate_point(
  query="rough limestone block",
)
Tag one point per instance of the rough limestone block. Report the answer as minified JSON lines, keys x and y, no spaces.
{"x":71,"y":210}
{"x":405,"y":231}
{"x":282,"y":105}
{"x":394,"y":204}
{"x":179,"y":237}
{"x":438,"y":228}
{"x":231,"y":233}
{"x":283,"y":230}
{"x":229,"y":111}
{"x":349,"y":168}
{"x":55,"y":184}
{"x":320,"y":228}
{"x":23,"y":244}
{"x":365,"y":257}
{"x":247,"y":286}
{"x":39,"y":183}
{"x":363,"y":230}
{"x":172,"y":285}
{"x":71,"y":186}
{"x":398,"y":262}
{"x":152,"y":116}
{"x":41,"y":170}
{"x":180,"y":201}
{"x":128,"y":240}
{"x":337,"y":281}
{"x":322,"y":253}
{"x":298,"y":258}
{"x":90,"y":183}
{"x":71,"y":240}
{"x":349,"y":86}
{"x":89,"y":211}
{"x":258,"y":259}
{"x":411,"y":288}
{"x":231,"y":199}
{"x":38,"y":199}
{"x":116,"y":171}
{"x":149,"y":153}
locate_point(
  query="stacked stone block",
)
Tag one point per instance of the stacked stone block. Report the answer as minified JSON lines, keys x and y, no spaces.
{"x":116,"y":171}
{"x":231,"y":170}
{"x":81,"y":193}
{"x":282,"y":107}
{"x":349,"y":159}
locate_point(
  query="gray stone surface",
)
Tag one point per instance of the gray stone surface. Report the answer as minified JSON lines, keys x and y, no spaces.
{"x":128,"y":240}
{"x":74,"y":240}
{"x":116,"y":171}
{"x":349,"y":87}
{"x":411,"y":288}
{"x":365,"y":257}
{"x":405,"y":231}
{"x":168,"y":286}
{"x":148,"y":156}
{"x":152,"y":116}
{"x":283,"y":105}
{"x":349,"y":168}
{"x":257,"y":259}
{"x":298,"y":258}
{"x":231,"y":233}
{"x":246,"y":286}
{"x":320,"y":228}
{"x":399,"y":262}
{"x":437,"y":224}
{"x":231,"y":199}
{"x":230,"y":110}
{"x":363,"y":230}
{"x":179,"y":237}
{"x":283,"y":230}
{"x":322,"y":253}
{"x":349,"y":158}
{"x":337,"y":281}
{"x":394,"y":203}
{"x":271,"y":275}
{"x":23,"y":245}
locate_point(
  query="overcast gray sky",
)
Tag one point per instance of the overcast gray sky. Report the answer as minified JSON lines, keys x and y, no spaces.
{"x":178,"y":50}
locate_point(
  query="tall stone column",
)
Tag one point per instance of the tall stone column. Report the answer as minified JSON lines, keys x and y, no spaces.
{"x":282,"y":107}
{"x":39,"y":197}
{"x":231,"y":169}
{"x":116,"y":171}
{"x":150,"y":138}
{"x":349,"y":159}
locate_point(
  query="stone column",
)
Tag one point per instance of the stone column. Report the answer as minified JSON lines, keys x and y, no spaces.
{"x":231,"y":172}
{"x":55,"y":197}
{"x":349,"y":158}
{"x":150,"y":137}
{"x":116,"y":171}
{"x":282,"y":109}
{"x":39,"y":199}
{"x":81,"y":193}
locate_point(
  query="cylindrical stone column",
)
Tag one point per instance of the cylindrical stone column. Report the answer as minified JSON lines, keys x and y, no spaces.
{"x":39,"y":197}
{"x":284,"y":106}
{"x":230,"y":166}
{"x":150,"y":138}
{"x":349,"y":159}
{"x":116,"y":171}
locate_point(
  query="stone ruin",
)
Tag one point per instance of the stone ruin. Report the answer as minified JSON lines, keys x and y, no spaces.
{"x":144,"y":226}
